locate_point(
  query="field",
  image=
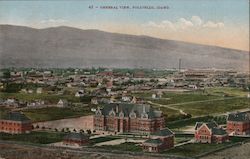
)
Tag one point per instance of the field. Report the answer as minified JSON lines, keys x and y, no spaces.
{"x":34,"y":137}
{"x":102,"y":139}
{"x":196,"y":149}
{"x":127,"y":146}
{"x":50,"y":98}
{"x":54,"y":113}
{"x":211,"y":101}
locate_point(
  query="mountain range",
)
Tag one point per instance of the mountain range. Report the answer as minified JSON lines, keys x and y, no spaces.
{"x":63,"y":47}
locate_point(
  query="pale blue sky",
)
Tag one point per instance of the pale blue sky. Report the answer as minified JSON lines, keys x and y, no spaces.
{"x":229,"y":11}
{"x":231,"y":15}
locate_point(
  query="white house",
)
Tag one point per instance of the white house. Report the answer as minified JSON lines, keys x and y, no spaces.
{"x":62,"y":103}
{"x":79,"y":93}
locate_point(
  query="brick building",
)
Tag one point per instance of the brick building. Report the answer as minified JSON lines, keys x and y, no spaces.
{"x":238,"y":123}
{"x":15,"y":123}
{"x":159,"y":141}
{"x":210,"y":133}
{"x":124,"y":117}
{"x":76,"y":139}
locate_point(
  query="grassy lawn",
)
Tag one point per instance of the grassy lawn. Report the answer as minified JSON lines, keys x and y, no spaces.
{"x":197,"y":103}
{"x":191,"y":150}
{"x":34,"y":137}
{"x":181,"y":139}
{"x":127,"y":146}
{"x":3,"y":111}
{"x":174,"y":98}
{"x":221,"y":91}
{"x":102,"y":139}
{"x":176,"y":125}
{"x":54,"y":113}
{"x":51,"y":98}
{"x":215,"y":107}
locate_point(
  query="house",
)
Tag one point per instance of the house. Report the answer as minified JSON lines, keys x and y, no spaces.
{"x":94,"y":101}
{"x":209,"y":132}
{"x":126,"y":98}
{"x":79,"y":93}
{"x":157,"y":95}
{"x":15,"y":123}
{"x":62,"y":103}
{"x":76,"y":139}
{"x":159,"y":141}
{"x":238,"y":123}
{"x":127,"y":117}
{"x":39,"y":90}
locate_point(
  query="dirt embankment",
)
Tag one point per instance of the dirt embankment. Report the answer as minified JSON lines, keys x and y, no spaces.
{"x":238,"y":152}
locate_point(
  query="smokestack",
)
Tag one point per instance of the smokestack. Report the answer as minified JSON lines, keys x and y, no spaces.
{"x":179,"y":65}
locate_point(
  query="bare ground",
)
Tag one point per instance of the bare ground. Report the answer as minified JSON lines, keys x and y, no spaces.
{"x":239,"y":152}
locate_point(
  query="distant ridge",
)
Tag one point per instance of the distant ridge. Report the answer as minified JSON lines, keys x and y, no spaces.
{"x":72,"y":47}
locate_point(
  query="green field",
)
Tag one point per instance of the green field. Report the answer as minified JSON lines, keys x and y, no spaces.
{"x":54,"y":113}
{"x":215,"y":107}
{"x":102,"y":139}
{"x":191,"y":150}
{"x":127,"y":146}
{"x":34,"y":137}
{"x":176,"y":125}
{"x":3,"y":111}
{"x":199,"y":103}
{"x":196,"y":149}
{"x":50,"y":98}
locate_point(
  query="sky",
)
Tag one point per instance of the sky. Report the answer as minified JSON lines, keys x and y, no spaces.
{"x":212,"y":22}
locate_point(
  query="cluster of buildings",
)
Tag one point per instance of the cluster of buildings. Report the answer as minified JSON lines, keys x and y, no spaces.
{"x":138,"y":119}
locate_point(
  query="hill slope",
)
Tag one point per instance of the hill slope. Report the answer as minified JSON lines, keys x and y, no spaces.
{"x":72,"y":47}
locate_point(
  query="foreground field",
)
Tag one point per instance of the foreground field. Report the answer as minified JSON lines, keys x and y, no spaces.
{"x":239,"y":152}
{"x":34,"y":137}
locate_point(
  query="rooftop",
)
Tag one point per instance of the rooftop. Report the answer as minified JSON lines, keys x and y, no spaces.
{"x":16,"y":116}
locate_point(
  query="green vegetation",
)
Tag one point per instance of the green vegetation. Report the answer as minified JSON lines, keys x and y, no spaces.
{"x":34,"y":137}
{"x":196,"y":149}
{"x":181,"y":139}
{"x":215,"y":107}
{"x":54,"y":113}
{"x":192,"y":121}
{"x":127,"y":146}
{"x":227,"y":91}
{"x":191,"y":150}
{"x":51,"y":98}
{"x":199,"y":103}
{"x":102,"y":139}
{"x":3,"y":111}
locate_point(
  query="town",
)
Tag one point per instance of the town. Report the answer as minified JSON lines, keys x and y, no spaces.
{"x":174,"y":113}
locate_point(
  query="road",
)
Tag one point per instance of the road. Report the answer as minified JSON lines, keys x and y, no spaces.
{"x":10,"y":149}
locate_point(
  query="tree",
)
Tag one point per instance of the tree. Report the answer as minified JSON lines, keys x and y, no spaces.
{"x":88,"y":131}
{"x":6,"y":74}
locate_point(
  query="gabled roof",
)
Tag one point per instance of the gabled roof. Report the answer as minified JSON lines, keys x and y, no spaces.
{"x":218,"y":131}
{"x":210,"y":124}
{"x":76,"y":136}
{"x":16,"y":116}
{"x":163,"y":132}
{"x":127,"y":108}
{"x":241,"y":116}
